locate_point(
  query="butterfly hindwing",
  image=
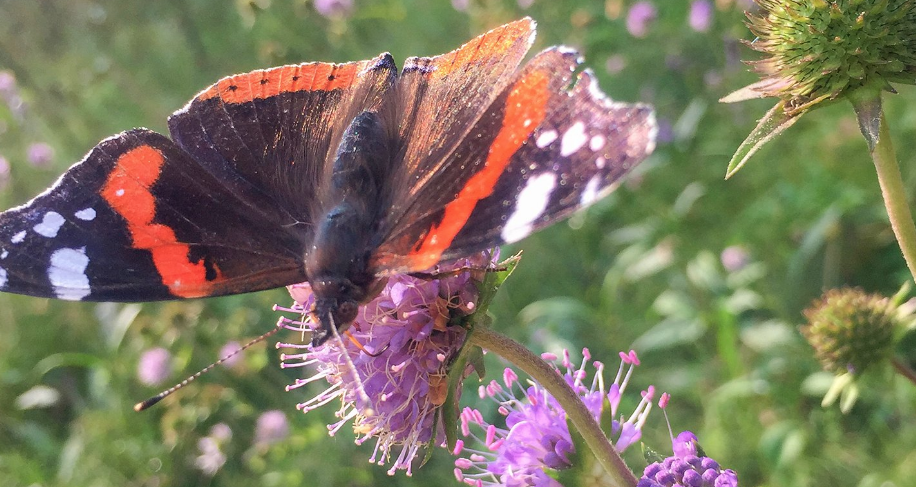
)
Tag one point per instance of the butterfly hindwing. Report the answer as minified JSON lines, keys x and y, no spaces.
{"x":138,"y":220}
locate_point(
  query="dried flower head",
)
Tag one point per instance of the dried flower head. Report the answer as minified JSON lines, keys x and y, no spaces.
{"x":851,"y":330}
{"x":820,"y":50}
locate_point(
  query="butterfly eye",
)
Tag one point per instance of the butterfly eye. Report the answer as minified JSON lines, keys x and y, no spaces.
{"x":346,"y":312}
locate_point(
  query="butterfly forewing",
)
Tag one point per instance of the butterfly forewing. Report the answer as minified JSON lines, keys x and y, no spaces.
{"x":440,"y":98}
{"x":273,"y":131}
{"x":137,"y":219}
{"x":539,"y":152}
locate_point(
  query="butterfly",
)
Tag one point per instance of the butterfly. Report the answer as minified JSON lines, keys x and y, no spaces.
{"x":341,"y":175}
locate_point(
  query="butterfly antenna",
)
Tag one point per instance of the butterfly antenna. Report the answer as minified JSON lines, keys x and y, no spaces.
{"x":361,"y":389}
{"x":144,"y":405}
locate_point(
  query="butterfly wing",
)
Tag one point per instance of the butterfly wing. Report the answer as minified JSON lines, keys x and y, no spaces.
{"x":440,"y":98}
{"x":273,"y":132}
{"x":138,"y":220}
{"x":226,"y":208}
{"x":540,"y":151}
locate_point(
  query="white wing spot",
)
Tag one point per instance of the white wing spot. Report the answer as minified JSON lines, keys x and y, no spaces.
{"x":599,"y":162}
{"x":119,"y":192}
{"x":573,"y":139}
{"x":4,"y":254}
{"x":596,"y":143}
{"x":546,"y":138}
{"x":2,"y":277}
{"x":87,"y":214}
{"x":590,"y":193}
{"x":67,"y":273}
{"x":50,"y":224}
{"x":530,"y":205}
{"x":653,"y":133}
{"x":527,"y":123}
{"x":19,"y":237}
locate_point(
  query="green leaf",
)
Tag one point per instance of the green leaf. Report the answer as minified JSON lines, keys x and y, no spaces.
{"x":772,"y":124}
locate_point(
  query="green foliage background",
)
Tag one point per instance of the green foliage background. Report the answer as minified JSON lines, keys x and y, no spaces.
{"x":641,"y":269}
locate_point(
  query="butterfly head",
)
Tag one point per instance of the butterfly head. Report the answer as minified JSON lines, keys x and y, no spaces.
{"x":335,"y":305}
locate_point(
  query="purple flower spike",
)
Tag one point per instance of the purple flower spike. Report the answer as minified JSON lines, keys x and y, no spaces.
{"x":685,"y":444}
{"x":271,"y":427}
{"x":685,"y":469}
{"x":700,"y":17}
{"x":334,"y":8}
{"x":640,"y":18}
{"x":734,"y":258}
{"x":155,"y":366}
{"x":536,"y":435}
{"x":40,"y":154}
{"x":229,"y":349}
{"x":400,"y":346}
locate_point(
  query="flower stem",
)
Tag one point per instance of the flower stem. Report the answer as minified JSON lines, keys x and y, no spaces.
{"x":544,"y":374}
{"x":904,"y":369}
{"x":882,"y":153}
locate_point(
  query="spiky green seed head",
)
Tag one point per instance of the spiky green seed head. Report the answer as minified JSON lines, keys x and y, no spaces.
{"x":819,"y":49}
{"x":851,"y":330}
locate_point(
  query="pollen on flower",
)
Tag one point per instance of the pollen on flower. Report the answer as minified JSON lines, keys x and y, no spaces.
{"x":400,"y":346}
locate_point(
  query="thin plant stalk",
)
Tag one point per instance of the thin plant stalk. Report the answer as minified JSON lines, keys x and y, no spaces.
{"x":882,"y":153}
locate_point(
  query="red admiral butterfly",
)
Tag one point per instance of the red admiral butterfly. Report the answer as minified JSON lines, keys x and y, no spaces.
{"x":336,"y":174}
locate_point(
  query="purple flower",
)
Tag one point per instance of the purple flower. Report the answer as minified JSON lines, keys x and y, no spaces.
{"x":9,"y":93}
{"x":230,"y":348}
{"x":271,"y":427}
{"x":40,"y":154}
{"x":665,"y":131}
{"x":685,"y":468}
{"x":391,"y":374}
{"x":155,"y":366}
{"x":615,"y":64}
{"x":7,"y":83}
{"x":460,"y":5}
{"x":334,"y":8}
{"x":734,"y":258}
{"x":700,"y":17}
{"x":221,"y":432}
{"x":4,"y":172}
{"x":536,"y":436}
{"x":640,"y":17}
{"x":211,"y":457}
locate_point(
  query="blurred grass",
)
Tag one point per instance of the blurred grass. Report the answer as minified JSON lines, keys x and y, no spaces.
{"x":640,"y":267}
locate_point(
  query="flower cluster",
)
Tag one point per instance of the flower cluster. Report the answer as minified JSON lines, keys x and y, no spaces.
{"x":399,"y":347}
{"x":211,"y":457}
{"x":687,"y":469}
{"x":536,"y":438}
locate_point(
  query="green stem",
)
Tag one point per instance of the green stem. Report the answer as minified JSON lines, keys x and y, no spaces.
{"x":904,"y":369}
{"x":882,"y":153}
{"x":546,"y":376}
